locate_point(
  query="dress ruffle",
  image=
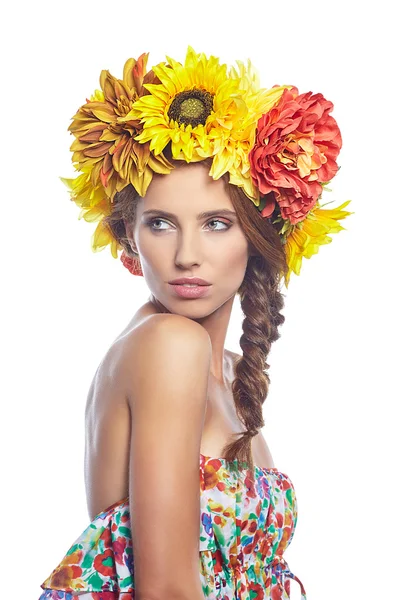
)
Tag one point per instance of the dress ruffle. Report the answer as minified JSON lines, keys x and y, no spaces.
{"x":240,"y":555}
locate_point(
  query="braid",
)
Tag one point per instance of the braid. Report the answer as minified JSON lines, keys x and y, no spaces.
{"x":261,"y":303}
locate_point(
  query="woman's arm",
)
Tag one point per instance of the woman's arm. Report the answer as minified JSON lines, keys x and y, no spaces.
{"x":170,"y":362}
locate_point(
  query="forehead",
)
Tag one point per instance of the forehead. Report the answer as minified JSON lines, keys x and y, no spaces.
{"x":187,"y":188}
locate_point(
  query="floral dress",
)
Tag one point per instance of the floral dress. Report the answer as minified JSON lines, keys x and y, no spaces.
{"x":245,"y":528}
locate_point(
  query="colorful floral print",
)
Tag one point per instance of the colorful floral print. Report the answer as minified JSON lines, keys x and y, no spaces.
{"x":245,"y":528}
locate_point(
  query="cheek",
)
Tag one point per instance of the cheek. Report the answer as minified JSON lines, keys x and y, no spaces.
{"x":156,"y":261}
{"x":235,"y":255}
{"x":151,"y":248}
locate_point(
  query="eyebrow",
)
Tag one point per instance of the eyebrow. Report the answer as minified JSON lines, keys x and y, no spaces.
{"x":203,"y":215}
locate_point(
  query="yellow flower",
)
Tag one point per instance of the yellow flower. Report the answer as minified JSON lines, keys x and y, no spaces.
{"x":95,"y":206}
{"x":205,"y":110}
{"x":105,"y":150}
{"x":305,"y":238}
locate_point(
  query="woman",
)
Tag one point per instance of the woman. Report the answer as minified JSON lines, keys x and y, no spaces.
{"x":168,"y":402}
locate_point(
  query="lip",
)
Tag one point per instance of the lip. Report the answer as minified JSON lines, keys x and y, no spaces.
{"x":197,"y":291}
{"x":196,"y":280}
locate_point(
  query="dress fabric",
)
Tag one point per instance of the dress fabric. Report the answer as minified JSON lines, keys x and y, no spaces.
{"x":244,"y":530}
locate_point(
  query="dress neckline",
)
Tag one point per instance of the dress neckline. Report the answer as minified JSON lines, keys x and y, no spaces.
{"x":224,"y":461}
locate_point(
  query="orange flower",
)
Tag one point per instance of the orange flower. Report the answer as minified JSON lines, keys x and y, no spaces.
{"x":105,"y":150}
{"x":130,"y":263}
{"x":105,"y":143}
{"x":297,"y":143}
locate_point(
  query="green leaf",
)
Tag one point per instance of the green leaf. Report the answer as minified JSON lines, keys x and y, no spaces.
{"x":87,"y":562}
{"x":74,"y":548}
{"x":125,"y":531}
{"x":96,"y":582}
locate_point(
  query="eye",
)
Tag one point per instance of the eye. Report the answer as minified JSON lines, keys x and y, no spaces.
{"x":150,"y":224}
{"x":227,"y":225}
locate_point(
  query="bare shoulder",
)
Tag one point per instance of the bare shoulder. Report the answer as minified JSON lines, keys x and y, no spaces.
{"x":166,"y":344}
{"x":166,"y":334}
{"x":160,"y":334}
{"x":166,"y":323}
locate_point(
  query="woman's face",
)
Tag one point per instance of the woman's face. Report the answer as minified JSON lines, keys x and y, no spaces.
{"x":185,"y":243}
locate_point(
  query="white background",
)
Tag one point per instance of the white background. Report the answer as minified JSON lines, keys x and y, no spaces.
{"x":330,"y":414}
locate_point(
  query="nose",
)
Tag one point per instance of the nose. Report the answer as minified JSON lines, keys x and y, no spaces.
{"x":188,"y":250}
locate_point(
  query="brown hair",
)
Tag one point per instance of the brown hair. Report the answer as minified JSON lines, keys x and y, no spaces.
{"x":261,"y":303}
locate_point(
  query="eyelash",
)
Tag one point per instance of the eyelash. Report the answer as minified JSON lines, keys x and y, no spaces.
{"x":150,"y":222}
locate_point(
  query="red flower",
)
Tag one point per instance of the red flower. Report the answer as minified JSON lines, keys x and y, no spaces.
{"x":132,"y":264}
{"x":119,"y":547}
{"x":104,"y":563}
{"x":297,"y":143}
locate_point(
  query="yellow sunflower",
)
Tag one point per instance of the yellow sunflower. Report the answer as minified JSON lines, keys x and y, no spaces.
{"x":205,"y":110}
{"x":305,"y":238}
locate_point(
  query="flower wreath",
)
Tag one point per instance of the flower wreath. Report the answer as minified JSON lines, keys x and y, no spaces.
{"x":279,"y":146}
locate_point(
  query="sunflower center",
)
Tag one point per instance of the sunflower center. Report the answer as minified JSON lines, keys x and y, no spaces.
{"x":191,"y":107}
